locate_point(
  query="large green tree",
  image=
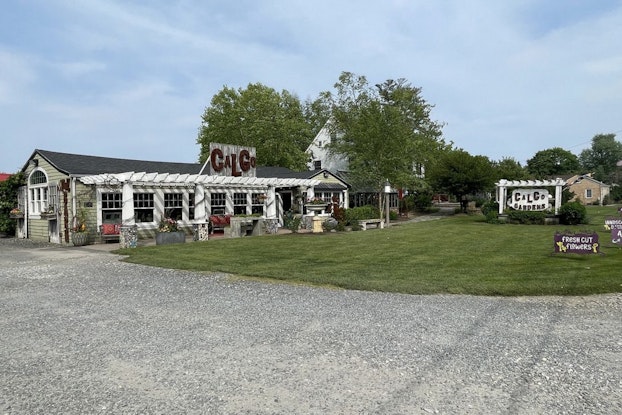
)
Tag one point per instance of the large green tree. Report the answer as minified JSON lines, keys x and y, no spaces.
{"x":260,"y":117}
{"x":461,"y":174}
{"x":602,"y":158}
{"x":553,"y":162}
{"x":8,"y":201}
{"x":510,"y":169}
{"x":385,"y":131}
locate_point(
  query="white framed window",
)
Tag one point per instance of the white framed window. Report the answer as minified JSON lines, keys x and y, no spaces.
{"x":143,"y":207}
{"x":218,"y":203}
{"x":38,"y":192}
{"x":173,"y":205}
{"x":239,"y":203}
{"x":257,"y":201}
{"x":112,"y":207}
{"x":588,"y":193}
{"x":190,"y":206}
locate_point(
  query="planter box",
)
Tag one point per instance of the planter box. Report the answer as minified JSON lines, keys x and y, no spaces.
{"x":166,"y":238}
{"x":16,"y":215}
{"x":79,"y":238}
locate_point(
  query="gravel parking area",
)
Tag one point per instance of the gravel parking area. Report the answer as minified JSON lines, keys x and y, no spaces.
{"x":83,"y":332}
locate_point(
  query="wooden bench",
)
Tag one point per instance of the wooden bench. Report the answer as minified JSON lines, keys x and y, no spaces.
{"x":110,"y":232}
{"x":378,"y":223}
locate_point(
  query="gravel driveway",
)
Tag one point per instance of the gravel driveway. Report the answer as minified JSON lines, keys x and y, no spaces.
{"x":83,"y":333}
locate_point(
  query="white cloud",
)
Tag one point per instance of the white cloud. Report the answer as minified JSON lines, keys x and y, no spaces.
{"x":508,"y":78}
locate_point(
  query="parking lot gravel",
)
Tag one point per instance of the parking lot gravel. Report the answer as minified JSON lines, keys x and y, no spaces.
{"x":84,"y":333}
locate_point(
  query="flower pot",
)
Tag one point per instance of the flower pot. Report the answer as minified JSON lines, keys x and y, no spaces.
{"x":166,"y":238}
{"x":315,"y":209}
{"x":79,"y":238}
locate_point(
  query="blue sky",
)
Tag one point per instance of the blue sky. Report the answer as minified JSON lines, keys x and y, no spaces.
{"x":131,"y":79}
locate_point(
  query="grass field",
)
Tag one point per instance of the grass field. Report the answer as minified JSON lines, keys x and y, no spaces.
{"x":458,"y":254}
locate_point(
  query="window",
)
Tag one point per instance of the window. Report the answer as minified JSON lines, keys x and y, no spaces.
{"x":112,"y":207}
{"x":143,"y":207}
{"x":173,"y":204}
{"x":317,"y":164}
{"x":327,"y":196}
{"x":191,"y":206}
{"x":38,"y":192}
{"x":239,"y":203}
{"x":588,"y":193}
{"x":257,"y":200}
{"x":218,"y":202}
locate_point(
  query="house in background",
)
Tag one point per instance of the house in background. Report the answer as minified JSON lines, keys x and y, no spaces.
{"x":4,"y":176}
{"x":319,"y":156}
{"x":588,"y":190}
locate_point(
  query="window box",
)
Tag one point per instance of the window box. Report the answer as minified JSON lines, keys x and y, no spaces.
{"x":16,"y":215}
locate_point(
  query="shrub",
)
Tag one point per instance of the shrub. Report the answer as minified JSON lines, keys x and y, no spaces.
{"x":572,"y":213}
{"x":362,"y":212}
{"x":393,"y":215}
{"x":422,"y":200}
{"x":526,"y":217}
{"x":490,"y":210}
{"x":292,"y":221}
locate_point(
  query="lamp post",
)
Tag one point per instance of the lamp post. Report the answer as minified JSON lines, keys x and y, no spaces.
{"x":387,"y":191}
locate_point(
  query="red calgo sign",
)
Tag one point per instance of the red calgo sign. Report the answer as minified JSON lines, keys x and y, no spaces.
{"x":230,"y":160}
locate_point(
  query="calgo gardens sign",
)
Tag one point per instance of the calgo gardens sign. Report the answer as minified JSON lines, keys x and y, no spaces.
{"x":530,"y":199}
{"x":576,"y":243}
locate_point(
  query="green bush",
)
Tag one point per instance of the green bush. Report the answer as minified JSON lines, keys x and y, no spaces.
{"x":353,"y":215}
{"x":422,"y":200}
{"x":292,"y":221}
{"x":572,"y":213}
{"x":526,"y":217}
{"x":393,"y":215}
{"x":490,"y":206}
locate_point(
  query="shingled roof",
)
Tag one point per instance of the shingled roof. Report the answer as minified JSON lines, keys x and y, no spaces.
{"x":81,"y":165}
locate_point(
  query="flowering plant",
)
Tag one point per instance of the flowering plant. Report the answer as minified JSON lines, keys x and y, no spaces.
{"x":168,"y":225}
{"x":79,"y":222}
{"x":316,"y":201}
{"x":16,"y":211}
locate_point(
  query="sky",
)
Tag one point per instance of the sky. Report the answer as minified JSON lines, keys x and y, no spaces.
{"x":131,"y":79}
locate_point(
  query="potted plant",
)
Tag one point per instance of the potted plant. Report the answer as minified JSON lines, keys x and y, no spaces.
{"x":316,"y":205}
{"x":169,"y":233}
{"x":49,"y":213}
{"x":16,"y":213}
{"x":80,"y":230}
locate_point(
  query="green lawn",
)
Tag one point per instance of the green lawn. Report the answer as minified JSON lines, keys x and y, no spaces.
{"x":459,"y":254}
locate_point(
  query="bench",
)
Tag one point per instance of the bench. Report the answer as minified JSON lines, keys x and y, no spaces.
{"x":219,"y":222}
{"x":110,"y":232}
{"x":378,"y":223}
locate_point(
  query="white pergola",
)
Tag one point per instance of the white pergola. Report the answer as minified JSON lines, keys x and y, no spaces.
{"x":199,"y":182}
{"x":503,"y":185}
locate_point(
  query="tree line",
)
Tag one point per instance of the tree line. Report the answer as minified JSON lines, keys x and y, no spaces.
{"x":385,"y":131}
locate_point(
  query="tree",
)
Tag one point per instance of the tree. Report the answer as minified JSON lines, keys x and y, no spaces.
{"x":602,"y":157}
{"x":510,"y":169}
{"x":553,"y":162}
{"x":385,"y":131}
{"x":8,"y":201}
{"x":461,"y":174}
{"x":258,"y":116}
